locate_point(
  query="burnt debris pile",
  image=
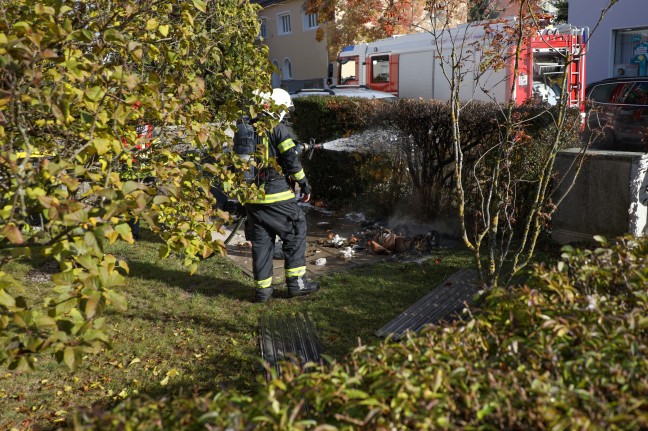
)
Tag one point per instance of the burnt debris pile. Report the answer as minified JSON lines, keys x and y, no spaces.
{"x":377,"y":238}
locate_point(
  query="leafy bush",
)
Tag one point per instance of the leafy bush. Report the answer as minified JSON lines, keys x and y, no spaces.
{"x":78,"y":80}
{"x":567,"y":351}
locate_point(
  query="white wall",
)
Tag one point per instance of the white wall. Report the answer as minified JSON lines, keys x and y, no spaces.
{"x":625,"y":14}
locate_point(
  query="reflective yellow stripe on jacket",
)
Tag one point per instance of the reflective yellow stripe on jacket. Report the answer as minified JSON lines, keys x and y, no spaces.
{"x":285,"y":145}
{"x":273,"y":198}
{"x":298,"y":175}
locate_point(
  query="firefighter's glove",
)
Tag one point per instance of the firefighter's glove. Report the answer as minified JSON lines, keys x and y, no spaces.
{"x":305,"y":187}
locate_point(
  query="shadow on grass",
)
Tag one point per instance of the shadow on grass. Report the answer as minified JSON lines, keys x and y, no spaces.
{"x":202,"y":284}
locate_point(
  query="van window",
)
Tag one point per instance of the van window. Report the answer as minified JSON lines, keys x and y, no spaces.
{"x":637,"y":95}
{"x":603,"y":93}
{"x":348,"y":68}
{"x":621,"y":93}
{"x":380,"y":68}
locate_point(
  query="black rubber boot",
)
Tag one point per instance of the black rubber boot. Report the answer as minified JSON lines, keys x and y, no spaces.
{"x":300,"y":286}
{"x":263,"y":295}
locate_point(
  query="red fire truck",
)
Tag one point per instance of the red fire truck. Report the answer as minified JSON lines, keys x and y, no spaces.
{"x":412,"y":66}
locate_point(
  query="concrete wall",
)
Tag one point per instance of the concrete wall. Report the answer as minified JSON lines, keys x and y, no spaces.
{"x":609,"y":198}
{"x":625,"y":14}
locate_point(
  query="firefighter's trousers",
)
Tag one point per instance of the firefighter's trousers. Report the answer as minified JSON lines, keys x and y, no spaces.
{"x":266,"y":222}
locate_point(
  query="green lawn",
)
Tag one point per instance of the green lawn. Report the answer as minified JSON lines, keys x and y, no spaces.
{"x":197,"y":333}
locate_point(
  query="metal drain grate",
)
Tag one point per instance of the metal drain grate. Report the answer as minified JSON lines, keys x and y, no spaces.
{"x":445,"y":299}
{"x":289,"y":338}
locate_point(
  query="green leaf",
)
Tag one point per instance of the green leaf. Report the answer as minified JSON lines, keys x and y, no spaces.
{"x":131,"y":186}
{"x":200,"y":5}
{"x":163,"y":251}
{"x":113,"y":35}
{"x":22,"y":363}
{"x":117,"y":300}
{"x":22,"y":27}
{"x":101,"y":145}
{"x":94,"y":93}
{"x":161,"y":199}
{"x":643,"y":323}
{"x":6,"y":299}
{"x":41,"y":9}
{"x":92,"y":335}
{"x":111,"y":278}
{"x":600,"y":239}
{"x":152,"y":24}
{"x":124,"y":230}
{"x":69,"y":357}
{"x":356,"y":393}
{"x":45,"y":322}
{"x":91,"y":242}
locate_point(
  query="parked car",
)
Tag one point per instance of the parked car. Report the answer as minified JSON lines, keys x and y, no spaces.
{"x":617,"y":114}
{"x":347,"y":91}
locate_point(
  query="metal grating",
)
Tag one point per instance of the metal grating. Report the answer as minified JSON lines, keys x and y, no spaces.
{"x":444,"y":300}
{"x":289,"y":338}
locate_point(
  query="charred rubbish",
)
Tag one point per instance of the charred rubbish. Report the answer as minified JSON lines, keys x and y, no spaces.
{"x":374,"y":237}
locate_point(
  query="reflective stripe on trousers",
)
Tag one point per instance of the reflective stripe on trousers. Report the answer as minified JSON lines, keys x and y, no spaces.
{"x":267,"y":222}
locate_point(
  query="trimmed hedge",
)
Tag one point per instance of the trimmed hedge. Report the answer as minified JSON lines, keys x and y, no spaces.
{"x":329,"y":118}
{"x":567,"y":351}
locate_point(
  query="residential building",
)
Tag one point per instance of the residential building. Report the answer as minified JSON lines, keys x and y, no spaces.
{"x":302,"y":61}
{"x":290,"y":33}
{"x":619,"y":45}
{"x":491,"y":9}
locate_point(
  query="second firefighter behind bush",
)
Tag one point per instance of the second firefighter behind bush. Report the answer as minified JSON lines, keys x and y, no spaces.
{"x":275,"y":212}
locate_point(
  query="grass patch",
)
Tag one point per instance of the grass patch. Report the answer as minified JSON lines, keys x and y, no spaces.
{"x":186,"y":334}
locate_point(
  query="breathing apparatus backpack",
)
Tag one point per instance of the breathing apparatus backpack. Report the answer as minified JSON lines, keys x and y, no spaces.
{"x":245,"y":146}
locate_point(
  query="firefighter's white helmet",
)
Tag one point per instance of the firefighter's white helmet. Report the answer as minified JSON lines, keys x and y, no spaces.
{"x":281,"y":98}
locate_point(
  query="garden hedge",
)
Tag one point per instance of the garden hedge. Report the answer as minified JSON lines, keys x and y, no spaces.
{"x":414,"y":175}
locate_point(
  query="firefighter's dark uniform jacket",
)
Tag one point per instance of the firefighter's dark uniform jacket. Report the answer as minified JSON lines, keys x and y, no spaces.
{"x":276,"y":213}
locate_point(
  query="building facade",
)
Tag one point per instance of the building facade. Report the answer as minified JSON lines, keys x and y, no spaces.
{"x":290,"y":33}
{"x":619,"y":45}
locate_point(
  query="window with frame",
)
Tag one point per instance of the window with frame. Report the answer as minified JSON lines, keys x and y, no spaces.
{"x":310,"y":21}
{"x":380,"y":68}
{"x":283,"y":23}
{"x":263,"y":31}
{"x":287,"y":69}
{"x":276,"y":78}
{"x":347,"y":70}
{"x":602,"y":93}
{"x":621,"y":93}
{"x":631,"y":52}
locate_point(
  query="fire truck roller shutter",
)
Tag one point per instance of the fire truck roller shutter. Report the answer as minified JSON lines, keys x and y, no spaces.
{"x":415,"y":73}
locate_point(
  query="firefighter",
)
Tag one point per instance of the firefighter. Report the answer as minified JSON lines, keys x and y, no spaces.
{"x":275,"y":212}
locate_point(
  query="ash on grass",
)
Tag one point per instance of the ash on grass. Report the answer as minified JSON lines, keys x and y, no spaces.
{"x":42,"y":273}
